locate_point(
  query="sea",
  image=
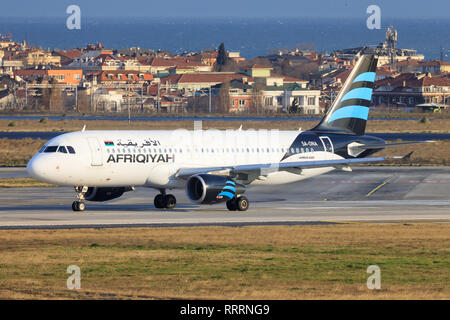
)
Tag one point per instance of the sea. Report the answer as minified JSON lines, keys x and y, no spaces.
{"x":252,"y":37}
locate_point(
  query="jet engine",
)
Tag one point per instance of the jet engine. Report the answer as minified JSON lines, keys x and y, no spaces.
{"x":105,"y":194}
{"x":209,"y":189}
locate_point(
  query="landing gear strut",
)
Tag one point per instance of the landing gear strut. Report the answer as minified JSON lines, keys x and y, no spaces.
{"x":165,"y":201}
{"x":79,"y":205}
{"x":238,"y":203}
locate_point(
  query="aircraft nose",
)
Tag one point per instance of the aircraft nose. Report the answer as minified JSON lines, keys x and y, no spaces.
{"x":36,"y":168}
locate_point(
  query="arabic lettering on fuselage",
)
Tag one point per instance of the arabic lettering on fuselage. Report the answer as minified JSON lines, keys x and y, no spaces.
{"x":146,"y":143}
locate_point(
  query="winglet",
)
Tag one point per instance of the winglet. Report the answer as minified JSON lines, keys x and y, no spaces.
{"x":84,"y":128}
{"x":408,"y":157}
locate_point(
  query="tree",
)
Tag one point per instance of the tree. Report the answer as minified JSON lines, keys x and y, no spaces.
{"x":224,"y":98}
{"x":222,"y":58}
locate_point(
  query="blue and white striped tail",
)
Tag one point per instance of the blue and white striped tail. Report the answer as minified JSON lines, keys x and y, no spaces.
{"x":350,"y":111}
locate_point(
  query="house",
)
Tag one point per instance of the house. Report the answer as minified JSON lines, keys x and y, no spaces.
{"x":281,"y":98}
{"x":120,"y":77}
{"x":67,"y":56}
{"x":435,"y":67}
{"x":159,"y":65}
{"x":257,"y":70}
{"x":406,"y":90}
{"x":36,"y":57}
{"x":197,"y":81}
{"x":8,"y":66}
{"x":60,"y":75}
{"x":6,"y":99}
{"x":235,"y":56}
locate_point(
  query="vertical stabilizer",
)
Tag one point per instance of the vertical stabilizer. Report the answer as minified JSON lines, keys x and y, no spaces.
{"x":350,"y":110}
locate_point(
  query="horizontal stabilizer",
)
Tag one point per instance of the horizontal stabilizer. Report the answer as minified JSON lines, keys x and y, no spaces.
{"x":354,"y":149}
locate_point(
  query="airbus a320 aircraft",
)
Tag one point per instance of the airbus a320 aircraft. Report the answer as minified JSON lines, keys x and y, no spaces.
{"x":213,"y":166}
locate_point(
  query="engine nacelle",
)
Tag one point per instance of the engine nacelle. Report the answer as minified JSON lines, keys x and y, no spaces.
{"x":105,"y":194}
{"x":208,"y":188}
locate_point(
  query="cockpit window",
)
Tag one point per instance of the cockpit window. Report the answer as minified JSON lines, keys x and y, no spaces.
{"x":51,"y":149}
{"x":62,"y":149}
{"x":43,"y":148}
{"x":71,"y":149}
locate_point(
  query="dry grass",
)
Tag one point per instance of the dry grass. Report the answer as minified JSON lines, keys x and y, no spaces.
{"x":278,"y":262}
{"x":17,"y":152}
{"x":22,"y":183}
{"x":435,"y":125}
{"x":435,"y":154}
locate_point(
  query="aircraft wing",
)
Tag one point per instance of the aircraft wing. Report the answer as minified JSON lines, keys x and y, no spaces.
{"x":266,"y":168}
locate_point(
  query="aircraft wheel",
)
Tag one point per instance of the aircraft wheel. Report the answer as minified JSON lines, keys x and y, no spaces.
{"x":170,"y":201}
{"x":78,"y":206}
{"x":232,"y":205}
{"x":159,"y":201}
{"x":242,"y":203}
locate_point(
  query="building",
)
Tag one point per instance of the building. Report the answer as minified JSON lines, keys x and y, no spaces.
{"x":36,"y":57}
{"x":435,"y":67}
{"x":282,"y":98}
{"x":182,"y":64}
{"x":196,"y":81}
{"x":60,"y":75}
{"x":112,"y":77}
{"x":407,"y":90}
{"x":67,"y":56}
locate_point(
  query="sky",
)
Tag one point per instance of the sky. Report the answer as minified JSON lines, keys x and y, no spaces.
{"x":415,"y":9}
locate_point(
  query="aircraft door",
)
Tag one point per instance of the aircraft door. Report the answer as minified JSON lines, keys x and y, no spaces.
{"x":327,"y":144}
{"x":96,"y":152}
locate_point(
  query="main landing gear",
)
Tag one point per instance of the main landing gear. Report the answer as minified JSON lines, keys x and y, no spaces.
{"x":238,"y":203}
{"x":79,"y":205}
{"x":165,"y":201}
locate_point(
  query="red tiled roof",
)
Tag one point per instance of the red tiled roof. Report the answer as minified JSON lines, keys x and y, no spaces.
{"x":411,"y":80}
{"x":205,"y":78}
{"x":71,"y":54}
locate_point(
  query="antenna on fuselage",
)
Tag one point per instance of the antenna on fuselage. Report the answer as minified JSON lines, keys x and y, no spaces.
{"x":84,"y":128}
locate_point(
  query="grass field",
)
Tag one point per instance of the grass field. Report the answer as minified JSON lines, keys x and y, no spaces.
{"x":22,"y":183}
{"x":264,"y":262}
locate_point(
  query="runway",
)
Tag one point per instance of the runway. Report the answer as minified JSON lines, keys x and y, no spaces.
{"x":368,"y":194}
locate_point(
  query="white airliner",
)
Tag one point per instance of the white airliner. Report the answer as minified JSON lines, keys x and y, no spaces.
{"x":213,"y":166}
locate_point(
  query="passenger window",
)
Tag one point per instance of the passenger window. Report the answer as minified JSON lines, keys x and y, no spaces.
{"x":70,"y":149}
{"x":51,"y":149}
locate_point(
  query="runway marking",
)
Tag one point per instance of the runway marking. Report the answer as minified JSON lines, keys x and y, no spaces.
{"x":381,"y":185}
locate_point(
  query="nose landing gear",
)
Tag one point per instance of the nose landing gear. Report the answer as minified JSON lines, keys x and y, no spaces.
{"x":79,"y":204}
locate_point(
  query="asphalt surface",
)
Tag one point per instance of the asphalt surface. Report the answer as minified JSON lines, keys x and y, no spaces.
{"x":368,"y":194}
